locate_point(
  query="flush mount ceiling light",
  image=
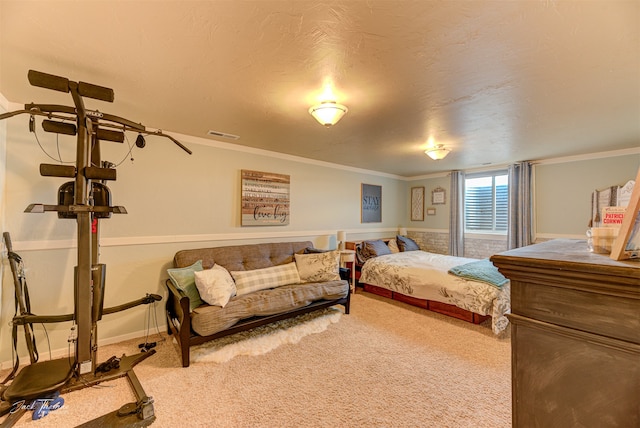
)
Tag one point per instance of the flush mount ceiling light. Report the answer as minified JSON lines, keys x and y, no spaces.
{"x":438,"y":152}
{"x":328,"y":113}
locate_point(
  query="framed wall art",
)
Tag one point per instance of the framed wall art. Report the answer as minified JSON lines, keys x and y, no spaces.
{"x":265,"y":198}
{"x":371,"y":203}
{"x":417,"y":204}
{"x":438,"y":196}
{"x":627,"y":243}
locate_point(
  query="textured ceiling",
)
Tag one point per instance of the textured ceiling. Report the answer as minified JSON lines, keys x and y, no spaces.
{"x":495,"y":81}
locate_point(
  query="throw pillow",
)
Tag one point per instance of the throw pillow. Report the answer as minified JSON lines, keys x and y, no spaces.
{"x":184,"y":280}
{"x":215,"y":285}
{"x":370,"y":249}
{"x":319,"y":267}
{"x":393,"y":246}
{"x":406,"y":244}
{"x":312,"y":250}
{"x":248,"y":281}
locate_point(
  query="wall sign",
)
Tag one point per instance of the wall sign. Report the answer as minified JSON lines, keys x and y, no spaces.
{"x":265,"y":199}
{"x":371,"y":200}
{"x":417,"y":204}
{"x":438,"y":196}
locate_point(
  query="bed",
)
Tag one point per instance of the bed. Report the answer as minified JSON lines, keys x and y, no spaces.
{"x":465,"y":288}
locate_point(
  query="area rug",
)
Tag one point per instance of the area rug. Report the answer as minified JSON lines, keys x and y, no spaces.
{"x":266,"y":338}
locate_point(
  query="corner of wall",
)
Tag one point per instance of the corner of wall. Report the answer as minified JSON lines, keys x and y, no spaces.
{"x":4,"y":107}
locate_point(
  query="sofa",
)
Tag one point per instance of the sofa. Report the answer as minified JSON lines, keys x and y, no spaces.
{"x":219,"y":291}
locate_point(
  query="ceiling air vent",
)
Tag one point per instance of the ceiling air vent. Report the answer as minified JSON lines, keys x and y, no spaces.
{"x":223,"y":135}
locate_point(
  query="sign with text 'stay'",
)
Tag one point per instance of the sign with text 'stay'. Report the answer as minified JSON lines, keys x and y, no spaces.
{"x":371,"y":198}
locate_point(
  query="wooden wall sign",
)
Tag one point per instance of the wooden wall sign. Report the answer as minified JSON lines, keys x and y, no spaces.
{"x":417,"y":204}
{"x":265,"y":198}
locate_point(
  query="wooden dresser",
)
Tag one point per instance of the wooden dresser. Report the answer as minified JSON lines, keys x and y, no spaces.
{"x":575,"y":341}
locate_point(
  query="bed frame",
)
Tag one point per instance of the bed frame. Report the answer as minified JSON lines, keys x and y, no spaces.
{"x":441,"y":308}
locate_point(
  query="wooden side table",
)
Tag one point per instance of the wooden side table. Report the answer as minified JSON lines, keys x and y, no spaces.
{"x":349,"y":256}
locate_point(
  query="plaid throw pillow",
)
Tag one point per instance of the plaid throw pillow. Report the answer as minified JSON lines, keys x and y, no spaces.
{"x":248,"y":281}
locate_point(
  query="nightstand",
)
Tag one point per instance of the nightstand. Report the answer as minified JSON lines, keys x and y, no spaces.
{"x":349,"y":256}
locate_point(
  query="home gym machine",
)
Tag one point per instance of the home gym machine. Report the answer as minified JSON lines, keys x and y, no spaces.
{"x":87,"y":200}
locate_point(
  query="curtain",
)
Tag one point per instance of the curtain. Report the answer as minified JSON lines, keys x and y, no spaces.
{"x":456,"y":221}
{"x":520,"y":217}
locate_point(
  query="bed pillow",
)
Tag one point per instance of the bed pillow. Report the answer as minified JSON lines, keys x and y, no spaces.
{"x":370,"y":249}
{"x":184,"y":280}
{"x":248,"y":281}
{"x":393,"y":246}
{"x":215,"y":285}
{"x":406,"y":244}
{"x":319,"y":267}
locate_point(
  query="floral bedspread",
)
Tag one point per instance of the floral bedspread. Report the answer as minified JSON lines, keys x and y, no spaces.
{"x":424,"y":275}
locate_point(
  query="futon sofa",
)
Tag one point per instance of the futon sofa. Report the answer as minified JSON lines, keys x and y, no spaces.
{"x":248,"y":286}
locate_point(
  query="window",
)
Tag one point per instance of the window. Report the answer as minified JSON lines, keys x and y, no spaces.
{"x":486,"y":199}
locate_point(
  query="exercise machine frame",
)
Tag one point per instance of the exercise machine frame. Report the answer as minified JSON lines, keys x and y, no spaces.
{"x":89,"y":175}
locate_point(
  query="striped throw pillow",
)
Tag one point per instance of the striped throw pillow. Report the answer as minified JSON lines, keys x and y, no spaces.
{"x":248,"y":281}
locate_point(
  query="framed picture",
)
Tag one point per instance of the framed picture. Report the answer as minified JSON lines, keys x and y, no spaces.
{"x":627,"y":244}
{"x":264,"y":199}
{"x":371,"y":203}
{"x":431,"y":211}
{"x":438,"y":196}
{"x":417,"y":204}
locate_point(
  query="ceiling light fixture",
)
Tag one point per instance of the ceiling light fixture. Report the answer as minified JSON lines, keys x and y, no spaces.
{"x":328,"y":113}
{"x":438,"y":152}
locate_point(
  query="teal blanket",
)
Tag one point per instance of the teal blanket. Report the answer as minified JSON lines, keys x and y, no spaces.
{"x":482,"y":270}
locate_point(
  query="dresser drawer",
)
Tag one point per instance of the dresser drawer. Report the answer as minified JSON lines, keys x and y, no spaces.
{"x":605,"y":314}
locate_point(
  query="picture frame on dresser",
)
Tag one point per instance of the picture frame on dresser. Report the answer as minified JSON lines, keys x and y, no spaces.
{"x":627,"y":244}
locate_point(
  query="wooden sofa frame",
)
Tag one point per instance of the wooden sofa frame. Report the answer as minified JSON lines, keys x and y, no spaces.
{"x":179,"y":320}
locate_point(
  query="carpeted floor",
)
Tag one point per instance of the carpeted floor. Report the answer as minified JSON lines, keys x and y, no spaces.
{"x":266,"y":338}
{"x":386,"y":364}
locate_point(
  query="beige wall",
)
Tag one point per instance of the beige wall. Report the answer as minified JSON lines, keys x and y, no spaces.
{"x":562,"y":196}
{"x":563,"y":191}
{"x":439,"y":221}
{"x":174,"y":201}
{"x":3,"y":144}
